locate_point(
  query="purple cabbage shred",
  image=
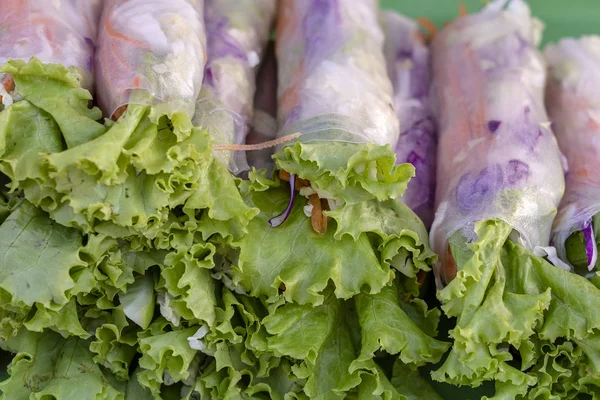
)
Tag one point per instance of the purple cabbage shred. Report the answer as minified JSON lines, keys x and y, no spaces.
{"x":281,"y":218}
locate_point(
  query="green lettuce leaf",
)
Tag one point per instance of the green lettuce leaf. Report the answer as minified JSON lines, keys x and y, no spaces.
{"x":386,"y":326}
{"x":348,"y":171}
{"x":48,"y":366}
{"x":186,"y":279}
{"x":409,"y":382}
{"x":115,"y":339}
{"x":139,"y":300}
{"x":165,"y":353}
{"x":337,"y":341}
{"x":41,"y":271}
{"x":507,"y":301}
{"x":575,"y":248}
{"x":302,"y":260}
{"x":151,"y":161}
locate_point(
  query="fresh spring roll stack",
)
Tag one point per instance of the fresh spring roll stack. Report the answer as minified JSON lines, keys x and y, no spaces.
{"x":522,"y":322}
{"x":89,"y":301}
{"x":341,"y":302}
{"x":148,"y":156}
{"x":335,"y":94}
{"x":573,"y":103}
{"x":409,"y":67}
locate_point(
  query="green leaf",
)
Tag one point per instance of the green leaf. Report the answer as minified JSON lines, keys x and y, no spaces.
{"x":49,"y":367}
{"x":57,"y":90}
{"x":139,"y":301}
{"x":302,"y":260}
{"x":40,"y":261}
{"x":114,"y":344}
{"x":385,"y":326}
{"x":507,"y":298}
{"x":166,"y":352}
{"x":187,"y":279}
{"x":410,"y":384}
{"x":349,"y":171}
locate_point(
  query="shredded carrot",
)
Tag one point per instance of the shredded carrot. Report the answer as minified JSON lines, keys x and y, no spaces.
{"x":300,"y":183}
{"x":429,"y":26}
{"x":137,"y":82}
{"x":317,"y":219}
{"x":260,"y":146}
{"x":462,"y":9}
{"x":449,"y":267}
{"x":113,"y":32}
{"x":119,"y":112}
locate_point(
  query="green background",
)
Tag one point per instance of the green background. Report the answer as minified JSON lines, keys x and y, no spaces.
{"x":561,"y":17}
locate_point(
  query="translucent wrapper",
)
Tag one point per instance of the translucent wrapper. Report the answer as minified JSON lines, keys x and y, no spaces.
{"x":498,"y":157}
{"x":409,"y":68}
{"x":333,"y":83}
{"x":573,"y":101}
{"x":151,"y":52}
{"x":264,"y":124}
{"x":237,"y":33}
{"x":54,"y":31}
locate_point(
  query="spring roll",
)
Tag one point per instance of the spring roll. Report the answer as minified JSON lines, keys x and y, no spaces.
{"x":46,"y":51}
{"x":500,"y":181}
{"x":573,"y":101}
{"x":151,"y":52}
{"x":264,"y":123}
{"x":237,"y":32}
{"x":409,"y":68}
{"x":335,"y":94}
{"x":331,"y":64}
{"x":57,"y":32}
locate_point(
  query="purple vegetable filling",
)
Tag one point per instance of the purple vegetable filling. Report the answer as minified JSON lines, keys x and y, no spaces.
{"x":220,"y":44}
{"x":321,"y":29}
{"x":591,"y":249}
{"x":403,"y":54}
{"x":493,"y":125}
{"x":516,"y":171}
{"x":281,"y":218}
{"x":415,"y":160}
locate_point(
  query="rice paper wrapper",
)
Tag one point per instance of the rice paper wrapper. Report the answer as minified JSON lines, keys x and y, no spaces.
{"x":54,"y":31}
{"x":332,"y":74}
{"x":573,"y":101}
{"x":409,"y":68}
{"x":498,"y":157}
{"x":237,"y":35}
{"x":151,"y":52}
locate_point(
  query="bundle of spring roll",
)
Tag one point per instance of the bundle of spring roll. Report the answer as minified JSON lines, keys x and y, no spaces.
{"x":572,"y":101}
{"x":136,"y":265}
{"x":527,"y":325}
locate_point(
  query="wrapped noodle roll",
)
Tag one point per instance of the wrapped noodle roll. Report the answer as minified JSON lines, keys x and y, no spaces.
{"x":332,"y":72}
{"x":409,"y":64}
{"x":500,"y":181}
{"x":335,"y":93}
{"x":58,"y":32}
{"x":573,"y":101}
{"x":498,"y":158}
{"x":151,"y":52}
{"x":237,"y":32}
